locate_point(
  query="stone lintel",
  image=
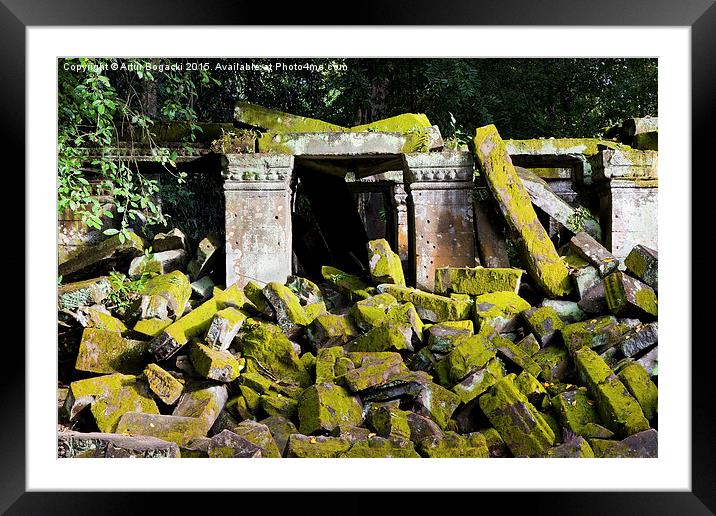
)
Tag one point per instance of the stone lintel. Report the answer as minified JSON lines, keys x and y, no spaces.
{"x":438,"y":170}
{"x":624,"y":164}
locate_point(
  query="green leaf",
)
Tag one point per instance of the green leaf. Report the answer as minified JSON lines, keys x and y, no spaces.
{"x":112,"y":231}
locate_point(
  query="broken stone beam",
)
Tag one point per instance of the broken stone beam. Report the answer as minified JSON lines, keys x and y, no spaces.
{"x":440,"y":187}
{"x":643,"y":263}
{"x":619,"y":411}
{"x":537,"y":251}
{"x":594,"y":252}
{"x":476,"y":281}
{"x":195,"y":323}
{"x":111,"y":446}
{"x":629,"y":297}
{"x":518,"y":422}
{"x":109,"y":250}
{"x":279,"y":122}
{"x":177,"y":429}
{"x":258,"y":217}
{"x":544,"y":198}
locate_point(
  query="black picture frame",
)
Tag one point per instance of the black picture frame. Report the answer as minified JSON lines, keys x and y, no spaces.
{"x":699,"y":15}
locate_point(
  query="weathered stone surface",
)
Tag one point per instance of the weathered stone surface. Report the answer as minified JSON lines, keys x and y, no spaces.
{"x":437,"y":403}
{"x":477,"y":382}
{"x":476,"y":281}
{"x":374,"y":372}
{"x":83,"y":293}
{"x":407,"y":384}
{"x":619,"y":411}
{"x":544,"y":198}
{"x":629,"y":297}
{"x":544,"y":323}
{"x":98,"y":317}
{"x":593,"y":252}
{"x":101,"y":255}
{"x":259,"y":435}
{"x":277,"y":404}
{"x":103,"y":351}
{"x":585,"y":279}
{"x":575,"y":410}
{"x":600,"y":333}
{"x":390,"y":422}
{"x":281,"y":429}
{"x":500,"y":310}
{"x":224,"y":327}
{"x":430,"y":307}
{"x":538,"y":252}
{"x":533,"y":390}
{"x":568,"y":311}
{"x":640,"y":338}
{"x":172,"y":290}
{"x":516,"y":355}
{"x":229,"y":445}
{"x":594,"y":301}
{"x":489,"y":232}
{"x":452,"y":444}
{"x":325,"y":406}
{"x":642,"y":445}
{"x":554,"y":361}
{"x":442,"y":336}
{"x":168,"y":387}
{"x":637,"y":381}
{"x":151,"y":327}
{"x":378,"y":447}
{"x":650,"y":362}
{"x":203,"y":287}
{"x":326,"y":370}
{"x":388,"y":337}
{"x":422,"y":427}
{"x":318,"y":447}
{"x":205,"y":257}
{"x":529,"y":344}
{"x":110,"y":396}
{"x":577,"y":448}
{"x":158,"y":263}
{"x":173,"y":239}
{"x":217,"y":365}
{"x":351,"y":286}
{"x":495,"y":444}
{"x":203,"y":403}
{"x":384,"y":264}
{"x":195,"y":323}
{"x":470,"y":354}
{"x":372,"y":311}
{"x":643,"y":263}
{"x":625,"y":163}
{"x":110,"y":446}
{"x":290,"y":315}
{"x":522,"y":427}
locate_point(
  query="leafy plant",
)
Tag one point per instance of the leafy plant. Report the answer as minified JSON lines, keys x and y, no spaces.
{"x":124,"y":291}
{"x":239,"y":141}
{"x":576,"y":220}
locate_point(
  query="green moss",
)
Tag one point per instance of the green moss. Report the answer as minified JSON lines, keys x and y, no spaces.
{"x":279,"y":122}
{"x":384,"y":264}
{"x":442,"y":336}
{"x":175,"y":429}
{"x":537,"y":250}
{"x":453,"y":445}
{"x":254,"y":293}
{"x":575,"y":410}
{"x":287,"y":307}
{"x":166,"y":386}
{"x":479,"y":381}
{"x":377,"y":447}
{"x":430,"y":307}
{"x":319,"y":447}
{"x":255,"y":381}
{"x":521,"y":426}
{"x":637,"y":381}
{"x":390,"y":422}
{"x":602,"y":332}
{"x":585,"y":146}
{"x":372,"y":311}
{"x":498,"y":309}
{"x":437,"y":403}
{"x":516,"y":355}
{"x":330,"y":330}
{"x":174,"y":287}
{"x":544,"y":322}
{"x":380,"y":369}
{"x":619,"y":411}
{"x":352,"y":286}
{"x":554,"y":361}
{"x":213,"y":364}
{"x":627,"y":296}
{"x":103,"y":351}
{"x":387,"y":337}
{"x":397,"y":124}
{"x":309,"y":362}
{"x":103,"y":321}
{"x":326,"y":362}
{"x":324,"y":406}
{"x":151,"y":327}
{"x":470,"y":353}
{"x":476,"y":281}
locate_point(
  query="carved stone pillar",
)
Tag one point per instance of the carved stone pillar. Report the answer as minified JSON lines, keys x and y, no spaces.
{"x":258,"y":217}
{"x":440,"y":214}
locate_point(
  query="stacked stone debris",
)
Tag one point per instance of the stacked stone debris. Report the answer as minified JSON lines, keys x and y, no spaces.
{"x":556,"y":360}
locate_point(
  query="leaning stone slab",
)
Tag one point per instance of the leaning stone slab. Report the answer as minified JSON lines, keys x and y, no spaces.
{"x":202,"y":402}
{"x":537,"y":251}
{"x":629,"y":297}
{"x":495,"y":444}
{"x":451,"y":445}
{"x":224,"y":327}
{"x":522,"y":427}
{"x":71,"y":296}
{"x":111,"y":446}
{"x":325,"y":406}
{"x":98,"y":317}
{"x":195,"y":323}
{"x":150,"y":328}
{"x":210,"y":363}
{"x":544,"y":323}
{"x":529,"y":344}
{"x":276,"y":404}
{"x":593,"y":252}
{"x":290,"y":315}
{"x":637,"y":381}
{"x":408,"y":384}
{"x":516,"y":355}
{"x":158,"y":263}
{"x":619,"y":411}
{"x":384,"y":264}
{"x":437,"y":403}
{"x":390,"y":422}
{"x":471,"y":353}
{"x":101,"y":255}
{"x":476,"y":281}
{"x":544,"y":198}
{"x":442,"y":336}
{"x":374,"y":373}
{"x":500,"y":310}
{"x":643,"y":263}
{"x":422,"y":427}
{"x":430,"y":307}
{"x":167,"y":386}
{"x":594,"y":301}
{"x":348,"y":284}
{"x":279,"y":122}
{"x":110,"y":396}
{"x":103,"y":351}
{"x":585,"y":279}
{"x":316,"y":447}
{"x":267,"y":347}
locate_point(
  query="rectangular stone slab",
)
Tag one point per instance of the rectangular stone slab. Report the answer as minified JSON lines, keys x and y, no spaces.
{"x":538,"y":253}
{"x":110,"y":446}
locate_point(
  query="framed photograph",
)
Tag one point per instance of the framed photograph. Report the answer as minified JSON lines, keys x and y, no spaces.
{"x":208,"y":200}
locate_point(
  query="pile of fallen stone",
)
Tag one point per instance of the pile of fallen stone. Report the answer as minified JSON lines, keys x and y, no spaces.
{"x":366,"y":367}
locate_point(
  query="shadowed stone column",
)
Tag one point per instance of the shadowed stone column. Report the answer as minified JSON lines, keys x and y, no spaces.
{"x":399,"y":198}
{"x":440,"y":214}
{"x":258,"y":217}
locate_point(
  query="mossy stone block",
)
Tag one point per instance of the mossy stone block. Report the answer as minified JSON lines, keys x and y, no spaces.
{"x":544,"y":323}
{"x":375,"y":372}
{"x":452,"y":445}
{"x":166,"y":386}
{"x":348,"y":284}
{"x":629,"y":297}
{"x":470,"y":354}
{"x":332,"y":330}
{"x":637,"y":381}
{"x":316,"y":447}
{"x":104,"y":351}
{"x":430,"y":307}
{"x":388,"y":337}
{"x":477,"y":280}
{"x":575,"y":410}
{"x":384,"y":264}
{"x":499,"y":310}
{"x":325,"y":406}
{"x":371,"y":312}
{"x":181,"y":430}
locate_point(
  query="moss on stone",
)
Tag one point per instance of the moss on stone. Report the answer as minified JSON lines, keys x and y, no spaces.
{"x":537,"y":250}
{"x":499,"y":310}
{"x":175,"y":429}
{"x":601,"y":332}
{"x":384,"y":264}
{"x":479,"y":381}
{"x":387,"y":337}
{"x":318,"y":447}
{"x":453,"y":445}
{"x":165,"y":385}
{"x":476,"y":281}
{"x":174,"y":287}
{"x":544,"y":323}
{"x":637,"y":381}
{"x":377,"y":447}
{"x":103,"y":351}
{"x":575,"y":410}
{"x":470,"y":353}
{"x":372,"y":311}
{"x":151,"y":327}
{"x":437,"y":403}
{"x":516,"y":355}
{"x":279,"y":122}
{"x":390,"y":422}
{"x":217,"y":365}
{"x":375,"y":372}
{"x":330,"y":330}
{"x":442,"y":336}
{"x":430,"y":307}
{"x":352,"y":286}
{"x":326,"y":362}
{"x":324,"y":406}
{"x":104,"y":321}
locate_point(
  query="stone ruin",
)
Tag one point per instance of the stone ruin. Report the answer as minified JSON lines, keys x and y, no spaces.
{"x":375,"y":294}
